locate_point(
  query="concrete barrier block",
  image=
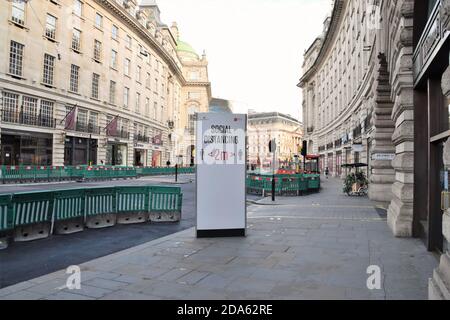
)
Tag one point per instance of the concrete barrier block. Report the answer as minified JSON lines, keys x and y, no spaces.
{"x":69,"y":226}
{"x":165,"y":216}
{"x":32,"y":232}
{"x":132,"y":217}
{"x":101,"y":221}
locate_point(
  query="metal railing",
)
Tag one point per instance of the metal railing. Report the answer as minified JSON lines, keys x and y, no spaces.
{"x":88,"y":128}
{"x":29,"y":119}
{"x":119,"y":134}
{"x":141,"y":138}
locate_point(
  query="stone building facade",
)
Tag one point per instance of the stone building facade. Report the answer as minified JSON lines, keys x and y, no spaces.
{"x":371,"y":87}
{"x":92,"y":82}
{"x":263,"y":127}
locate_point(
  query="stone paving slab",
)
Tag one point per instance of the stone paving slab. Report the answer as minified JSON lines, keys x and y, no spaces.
{"x":290,"y":252}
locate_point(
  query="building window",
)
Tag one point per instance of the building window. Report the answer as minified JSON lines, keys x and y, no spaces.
{"x":18,"y":12}
{"x":112,"y":92}
{"x":74,"y":77}
{"x":127,"y":67}
{"x":29,"y":112}
{"x":97,"y":50}
{"x":98,"y":21}
{"x":16,"y":58}
{"x":113,"y":59}
{"x":126,"y":95}
{"x":76,"y":40}
{"x":10,"y":107}
{"x":95,"y":82}
{"x":138,"y":103}
{"x":148,"y":81}
{"x":46,"y":113}
{"x":93,"y":121}
{"x":156,"y":85}
{"x":138,"y":74}
{"x":77,"y":7}
{"x":115,"y":32}
{"x":128,"y":41}
{"x":49,"y":65}
{"x":50,"y":27}
{"x":147,"y":107}
{"x":155,"y":108}
{"x":82,"y":118}
{"x":163,"y":88}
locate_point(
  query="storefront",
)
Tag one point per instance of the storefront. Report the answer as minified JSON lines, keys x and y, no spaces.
{"x":330,"y":164}
{"x":141,"y":151}
{"x":80,"y":151}
{"x":156,"y":158}
{"x":116,"y":154}
{"x":431,"y":121}
{"x":21,"y":148}
{"x":338,"y":163}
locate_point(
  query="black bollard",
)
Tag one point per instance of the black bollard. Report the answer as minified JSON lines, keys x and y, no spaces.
{"x":273,"y":188}
{"x":176,"y":173}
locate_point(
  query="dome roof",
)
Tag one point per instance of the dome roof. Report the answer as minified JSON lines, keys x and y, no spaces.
{"x":185,"y":47}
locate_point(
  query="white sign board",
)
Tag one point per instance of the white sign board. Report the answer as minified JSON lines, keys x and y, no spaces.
{"x":383,"y":156}
{"x":221,"y":169}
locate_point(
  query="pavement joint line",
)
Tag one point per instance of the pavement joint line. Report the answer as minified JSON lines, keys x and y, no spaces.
{"x":321,"y":218}
{"x":321,"y":206}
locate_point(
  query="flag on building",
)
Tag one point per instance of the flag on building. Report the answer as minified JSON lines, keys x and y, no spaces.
{"x":157,"y":140}
{"x":112,"y":127}
{"x":71,"y":119}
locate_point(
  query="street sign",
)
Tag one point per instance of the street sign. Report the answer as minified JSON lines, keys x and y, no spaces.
{"x":221,"y":170}
{"x":383,"y":156}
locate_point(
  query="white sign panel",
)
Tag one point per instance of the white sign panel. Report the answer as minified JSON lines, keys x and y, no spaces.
{"x":383,"y":156}
{"x":221,"y":169}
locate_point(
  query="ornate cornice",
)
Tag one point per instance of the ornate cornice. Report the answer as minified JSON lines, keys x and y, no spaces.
{"x":336,"y":19}
{"x":124,"y":16}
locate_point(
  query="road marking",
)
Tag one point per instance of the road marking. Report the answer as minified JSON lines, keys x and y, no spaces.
{"x":318,"y":218}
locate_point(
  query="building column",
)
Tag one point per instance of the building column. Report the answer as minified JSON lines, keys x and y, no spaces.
{"x":439,"y":284}
{"x":400,"y":212}
{"x":59,"y":138}
{"x":383,"y":174}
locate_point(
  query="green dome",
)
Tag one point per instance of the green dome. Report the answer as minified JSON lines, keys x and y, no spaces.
{"x":185,"y":47}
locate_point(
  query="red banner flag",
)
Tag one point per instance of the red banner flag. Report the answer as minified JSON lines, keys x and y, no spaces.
{"x":71,"y":119}
{"x":157,"y":140}
{"x":111,"y":128}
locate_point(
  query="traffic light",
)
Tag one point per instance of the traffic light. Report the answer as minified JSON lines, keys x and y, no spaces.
{"x":305,"y":148}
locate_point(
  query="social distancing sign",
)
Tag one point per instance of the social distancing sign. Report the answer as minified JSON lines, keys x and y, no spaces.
{"x":221,"y":169}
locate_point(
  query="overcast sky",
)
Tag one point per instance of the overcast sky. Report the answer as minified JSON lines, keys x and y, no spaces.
{"x":254,"y":47}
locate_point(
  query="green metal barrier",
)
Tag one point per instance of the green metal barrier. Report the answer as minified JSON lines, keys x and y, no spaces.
{"x":68,"y":204}
{"x":6,"y":213}
{"x":100,"y":201}
{"x":284,"y":184}
{"x":165,"y":198}
{"x":132,"y":199}
{"x":32,"y":207}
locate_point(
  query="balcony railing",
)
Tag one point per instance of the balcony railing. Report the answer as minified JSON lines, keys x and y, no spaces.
{"x":141,"y":138}
{"x":28,"y":119}
{"x":119,"y":134}
{"x":357,"y":132}
{"x":88,"y":128}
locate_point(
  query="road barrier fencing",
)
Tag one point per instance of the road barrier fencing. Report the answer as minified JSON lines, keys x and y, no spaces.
{"x":285,"y":185}
{"x":25,"y":174}
{"x":28,"y":216}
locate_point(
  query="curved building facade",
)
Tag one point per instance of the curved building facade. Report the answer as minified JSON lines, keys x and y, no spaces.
{"x":376,"y":89}
{"x":95,"y":82}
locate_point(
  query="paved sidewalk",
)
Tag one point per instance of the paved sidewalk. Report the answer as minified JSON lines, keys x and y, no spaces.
{"x":312,"y":247}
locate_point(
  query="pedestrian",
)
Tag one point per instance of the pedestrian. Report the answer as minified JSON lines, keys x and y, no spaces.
{"x":327,"y":171}
{"x":168,"y":163}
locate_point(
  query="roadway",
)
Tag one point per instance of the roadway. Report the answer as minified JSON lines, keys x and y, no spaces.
{"x":22,"y":261}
